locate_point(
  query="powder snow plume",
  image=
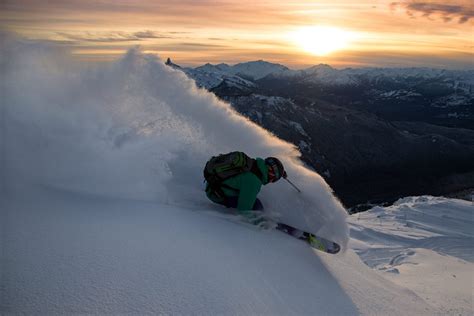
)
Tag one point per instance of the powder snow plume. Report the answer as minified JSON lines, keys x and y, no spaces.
{"x":135,"y":129}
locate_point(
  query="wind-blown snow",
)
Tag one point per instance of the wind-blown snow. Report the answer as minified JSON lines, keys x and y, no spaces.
{"x":138,"y":129}
{"x":133,"y":131}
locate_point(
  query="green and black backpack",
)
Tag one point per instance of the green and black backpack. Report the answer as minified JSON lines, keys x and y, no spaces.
{"x":222,"y":167}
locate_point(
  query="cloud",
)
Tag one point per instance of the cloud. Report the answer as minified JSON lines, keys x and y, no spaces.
{"x":186,"y":47}
{"x":103,"y":37}
{"x":461,"y":11}
{"x":150,"y":34}
{"x":112,"y":37}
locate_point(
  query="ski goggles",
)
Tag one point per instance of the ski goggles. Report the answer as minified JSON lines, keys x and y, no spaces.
{"x":274,"y":172}
{"x":272,"y":176}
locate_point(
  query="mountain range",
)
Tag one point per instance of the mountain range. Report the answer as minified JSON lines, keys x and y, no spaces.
{"x":374,"y":134}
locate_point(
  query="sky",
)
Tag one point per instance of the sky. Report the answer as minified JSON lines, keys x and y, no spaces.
{"x":298,"y":34}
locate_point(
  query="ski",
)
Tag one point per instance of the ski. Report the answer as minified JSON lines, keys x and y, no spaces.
{"x":316,"y":242}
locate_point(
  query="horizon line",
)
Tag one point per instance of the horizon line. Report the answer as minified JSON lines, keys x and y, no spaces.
{"x":186,"y":65}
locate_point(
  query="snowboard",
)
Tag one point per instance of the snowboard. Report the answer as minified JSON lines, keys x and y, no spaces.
{"x":316,"y":242}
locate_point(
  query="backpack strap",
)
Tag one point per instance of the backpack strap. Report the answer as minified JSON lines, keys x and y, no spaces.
{"x":256,"y":170}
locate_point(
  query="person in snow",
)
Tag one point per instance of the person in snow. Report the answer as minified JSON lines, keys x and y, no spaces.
{"x":234,"y":180}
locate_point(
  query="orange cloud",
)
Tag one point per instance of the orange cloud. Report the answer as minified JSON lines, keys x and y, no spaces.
{"x":108,"y":37}
{"x":446,"y":12}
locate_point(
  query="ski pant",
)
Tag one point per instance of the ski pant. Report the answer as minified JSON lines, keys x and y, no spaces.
{"x":233,"y":201}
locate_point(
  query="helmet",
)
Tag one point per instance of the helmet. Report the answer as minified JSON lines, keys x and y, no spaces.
{"x":276,"y":170}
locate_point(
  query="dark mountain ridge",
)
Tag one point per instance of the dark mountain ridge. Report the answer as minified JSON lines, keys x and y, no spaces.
{"x":373,"y":134}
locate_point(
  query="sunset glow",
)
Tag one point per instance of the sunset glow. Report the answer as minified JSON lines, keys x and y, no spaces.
{"x":322,"y":40}
{"x":295,"y":33}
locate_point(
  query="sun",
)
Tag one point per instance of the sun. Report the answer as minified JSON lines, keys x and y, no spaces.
{"x":321,"y":40}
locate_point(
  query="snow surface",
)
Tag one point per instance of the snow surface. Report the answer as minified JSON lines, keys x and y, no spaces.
{"x":103,"y":212}
{"x":425,"y":244}
{"x":72,"y":253}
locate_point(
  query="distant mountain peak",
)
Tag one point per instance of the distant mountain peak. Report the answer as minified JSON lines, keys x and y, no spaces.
{"x":258,"y":69}
{"x":325,"y":67}
{"x":208,"y":67}
{"x":260,"y":62}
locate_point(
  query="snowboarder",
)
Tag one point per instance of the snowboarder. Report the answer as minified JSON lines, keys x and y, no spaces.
{"x":234,"y":180}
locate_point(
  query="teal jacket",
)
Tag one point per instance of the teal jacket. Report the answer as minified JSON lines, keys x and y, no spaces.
{"x":247,"y":185}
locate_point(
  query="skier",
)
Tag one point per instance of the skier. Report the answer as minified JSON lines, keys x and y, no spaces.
{"x":234,"y":180}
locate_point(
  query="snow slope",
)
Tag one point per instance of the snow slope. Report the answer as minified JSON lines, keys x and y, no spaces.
{"x":422,"y":243}
{"x":72,"y":253}
{"x":67,"y":252}
{"x":102,"y":209}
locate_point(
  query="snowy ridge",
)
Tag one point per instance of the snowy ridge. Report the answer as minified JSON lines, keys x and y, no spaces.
{"x":423,"y":243}
{"x":325,"y":74}
{"x":435,"y":223}
{"x":258,"y":69}
{"x":210,"y":76}
{"x":321,"y":74}
{"x":213,"y":68}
